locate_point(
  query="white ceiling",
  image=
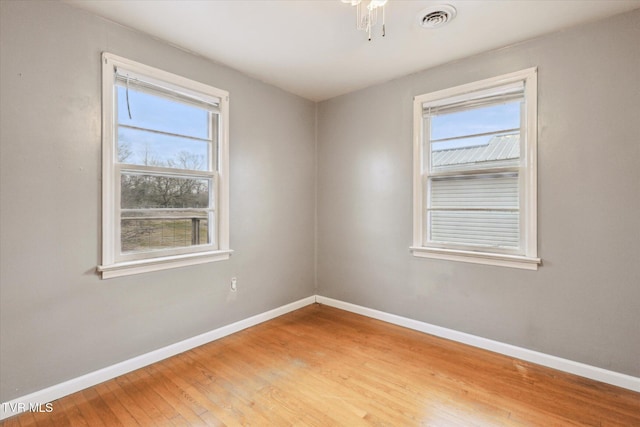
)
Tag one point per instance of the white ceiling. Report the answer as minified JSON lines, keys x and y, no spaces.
{"x":311,"y":48}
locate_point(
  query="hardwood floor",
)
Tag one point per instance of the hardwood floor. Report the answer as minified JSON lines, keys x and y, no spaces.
{"x":321,"y":366}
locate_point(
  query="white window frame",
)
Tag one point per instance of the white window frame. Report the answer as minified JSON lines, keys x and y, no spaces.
{"x":115,"y":264}
{"x":527,"y":256}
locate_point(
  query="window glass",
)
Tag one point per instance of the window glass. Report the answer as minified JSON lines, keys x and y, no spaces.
{"x":139,"y":191}
{"x":140,"y":234}
{"x":476,"y":150}
{"x":158,"y":130}
{"x":140,"y":147}
{"x":475,"y":210}
{"x":480,"y":228}
{"x":156,"y":112}
{"x":475,"y":121}
{"x":484,"y":136}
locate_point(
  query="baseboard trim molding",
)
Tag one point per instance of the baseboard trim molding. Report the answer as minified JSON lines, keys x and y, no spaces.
{"x":39,"y":398}
{"x":592,"y":372}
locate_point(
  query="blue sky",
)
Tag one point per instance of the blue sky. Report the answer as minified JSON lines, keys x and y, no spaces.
{"x":157,"y":113}
{"x":471,"y":122}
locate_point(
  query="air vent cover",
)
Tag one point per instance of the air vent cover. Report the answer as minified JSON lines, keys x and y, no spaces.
{"x":436,"y":16}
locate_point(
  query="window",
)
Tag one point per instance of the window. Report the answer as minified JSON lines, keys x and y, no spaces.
{"x":164,"y":170}
{"x":475,"y":172}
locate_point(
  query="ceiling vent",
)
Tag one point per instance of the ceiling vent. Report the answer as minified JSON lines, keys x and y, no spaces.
{"x":436,"y":16}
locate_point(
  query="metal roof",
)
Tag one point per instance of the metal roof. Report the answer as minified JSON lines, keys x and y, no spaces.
{"x":500,"y":147}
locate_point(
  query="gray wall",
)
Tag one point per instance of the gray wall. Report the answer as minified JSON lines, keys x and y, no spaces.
{"x":58,"y":319}
{"x":584,"y":302}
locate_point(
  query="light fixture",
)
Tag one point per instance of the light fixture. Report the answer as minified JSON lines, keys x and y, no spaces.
{"x":367,"y":14}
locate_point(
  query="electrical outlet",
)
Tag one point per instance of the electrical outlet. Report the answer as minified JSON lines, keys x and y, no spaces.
{"x":234,"y":284}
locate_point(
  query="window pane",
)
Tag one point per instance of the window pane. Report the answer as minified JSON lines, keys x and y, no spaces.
{"x":162,"y":114}
{"x":140,"y":147}
{"x":487,"y":228}
{"x":169,"y":230}
{"x":475,"y":121}
{"x":487,"y":191}
{"x":480,"y":150}
{"x":139,"y":191}
{"x":475,"y":210}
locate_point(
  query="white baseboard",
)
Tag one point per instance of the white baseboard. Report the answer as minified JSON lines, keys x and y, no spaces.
{"x":49,"y":394}
{"x":576,"y":368}
{"x":41,"y":397}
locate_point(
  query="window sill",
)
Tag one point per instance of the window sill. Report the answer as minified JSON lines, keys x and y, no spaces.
{"x":513,"y":261}
{"x":163,"y":263}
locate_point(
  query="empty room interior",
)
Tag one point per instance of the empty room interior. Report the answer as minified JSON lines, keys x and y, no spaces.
{"x":327,"y":212}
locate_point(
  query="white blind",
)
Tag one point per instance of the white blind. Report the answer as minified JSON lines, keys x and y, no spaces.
{"x":475,"y":210}
{"x":496,"y":95}
{"x":126,"y":78}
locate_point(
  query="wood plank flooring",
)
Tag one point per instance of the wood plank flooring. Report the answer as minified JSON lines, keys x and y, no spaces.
{"x":320,"y":366}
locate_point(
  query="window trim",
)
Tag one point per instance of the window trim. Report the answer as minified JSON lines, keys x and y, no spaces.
{"x":112,"y":265}
{"x":528,"y":171}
